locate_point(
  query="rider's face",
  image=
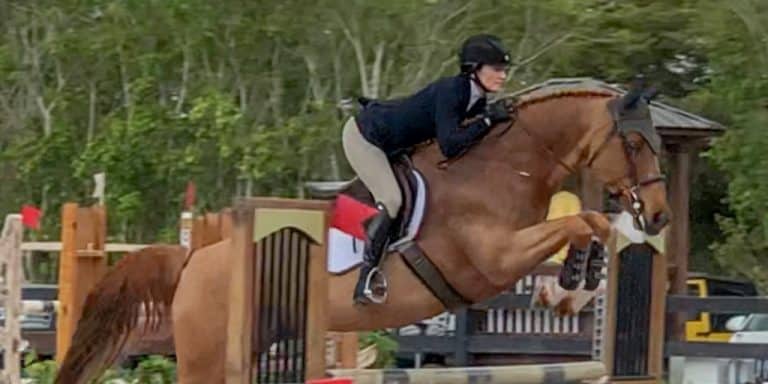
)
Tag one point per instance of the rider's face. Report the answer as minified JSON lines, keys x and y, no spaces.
{"x":492,"y":76}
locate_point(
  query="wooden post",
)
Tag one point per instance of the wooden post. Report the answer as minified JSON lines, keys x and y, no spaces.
{"x":225,"y":223}
{"x":10,"y":267}
{"x":348,"y":346}
{"x":242,"y":301}
{"x":317,"y":305}
{"x":678,"y":243}
{"x":635,"y":316}
{"x":208,"y":228}
{"x":658,"y":317}
{"x":265,"y":257}
{"x":82,"y":263}
{"x":461,"y":337}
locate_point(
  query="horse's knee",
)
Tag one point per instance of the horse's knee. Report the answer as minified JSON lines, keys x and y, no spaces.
{"x":599,"y":223}
{"x":580,"y":232}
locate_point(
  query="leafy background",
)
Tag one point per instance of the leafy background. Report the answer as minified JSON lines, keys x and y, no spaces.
{"x":244,"y":97}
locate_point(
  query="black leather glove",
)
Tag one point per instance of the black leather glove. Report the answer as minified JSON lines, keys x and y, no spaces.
{"x":496,"y":112}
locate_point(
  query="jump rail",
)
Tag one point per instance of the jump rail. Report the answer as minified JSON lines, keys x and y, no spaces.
{"x":517,"y":374}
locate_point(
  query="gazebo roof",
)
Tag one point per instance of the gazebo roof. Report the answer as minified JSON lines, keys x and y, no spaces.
{"x":674,"y":124}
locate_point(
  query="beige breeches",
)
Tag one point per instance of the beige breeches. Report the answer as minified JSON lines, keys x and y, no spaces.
{"x":372,"y":167}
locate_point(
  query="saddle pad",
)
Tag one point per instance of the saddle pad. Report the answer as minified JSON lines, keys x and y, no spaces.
{"x":345,"y":236}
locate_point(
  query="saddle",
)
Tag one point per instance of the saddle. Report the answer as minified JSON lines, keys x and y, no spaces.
{"x":409,"y":181}
{"x":402,"y":237}
{"x":406,"y":176}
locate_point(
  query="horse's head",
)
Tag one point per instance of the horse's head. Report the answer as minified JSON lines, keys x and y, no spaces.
{"x":625,"y":158}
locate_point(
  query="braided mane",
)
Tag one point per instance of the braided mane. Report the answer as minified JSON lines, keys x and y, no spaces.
{"x":581,"y":93}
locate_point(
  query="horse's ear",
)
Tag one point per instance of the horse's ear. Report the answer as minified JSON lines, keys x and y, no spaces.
{"x":636,"y":87}
{"x":631,"y":98}
{"x":650,"y":94}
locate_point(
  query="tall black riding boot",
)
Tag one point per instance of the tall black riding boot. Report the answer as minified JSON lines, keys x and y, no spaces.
{"x":372,"y":284}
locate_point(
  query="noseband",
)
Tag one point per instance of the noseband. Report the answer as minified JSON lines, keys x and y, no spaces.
{"x":631,"y":192}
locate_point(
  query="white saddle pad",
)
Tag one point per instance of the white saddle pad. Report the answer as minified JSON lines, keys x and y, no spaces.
{"x":345,"y":251}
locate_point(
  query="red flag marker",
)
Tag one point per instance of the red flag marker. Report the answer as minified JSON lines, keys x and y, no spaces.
{"x":334,"y":380}
{"x":349,"y":215}
{"x":190,"y":195}
{"x":30,"y":216}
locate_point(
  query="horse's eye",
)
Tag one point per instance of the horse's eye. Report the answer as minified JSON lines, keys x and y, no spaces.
{"x":635,"y":145}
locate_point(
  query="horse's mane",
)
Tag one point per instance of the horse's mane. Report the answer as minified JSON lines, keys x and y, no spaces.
{"x":526,"y":101}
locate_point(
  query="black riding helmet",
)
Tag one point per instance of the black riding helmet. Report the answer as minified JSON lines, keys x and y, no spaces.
{"x":483,"y":49}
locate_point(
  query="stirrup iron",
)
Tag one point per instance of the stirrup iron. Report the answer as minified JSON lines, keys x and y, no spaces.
{"x":376,"y":287}
{"x":372,"y":285}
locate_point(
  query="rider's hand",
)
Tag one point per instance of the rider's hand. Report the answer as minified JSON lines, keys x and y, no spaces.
{"x":496,"y":112}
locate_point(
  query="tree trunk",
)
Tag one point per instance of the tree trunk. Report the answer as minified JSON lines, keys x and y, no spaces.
{"x":276,"y":94}
{"x":91,"y":110}
{"x":126,"y":85}
{"x":184,"y":79}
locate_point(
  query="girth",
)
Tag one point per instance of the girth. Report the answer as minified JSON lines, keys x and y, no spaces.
{"x":431,"y":277}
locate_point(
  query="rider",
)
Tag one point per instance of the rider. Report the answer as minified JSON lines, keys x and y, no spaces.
{"x":384,"y":129}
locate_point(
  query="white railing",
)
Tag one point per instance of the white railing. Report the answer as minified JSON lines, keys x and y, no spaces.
{"x":10,"y":295}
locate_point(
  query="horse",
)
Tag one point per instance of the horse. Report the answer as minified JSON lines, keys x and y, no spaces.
{"x":484,"y":229}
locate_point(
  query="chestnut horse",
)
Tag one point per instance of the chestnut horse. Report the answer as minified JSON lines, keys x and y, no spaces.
{"x":484,"y":230}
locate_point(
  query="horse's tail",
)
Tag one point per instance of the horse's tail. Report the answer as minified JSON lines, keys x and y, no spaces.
{"x":140,"y":286}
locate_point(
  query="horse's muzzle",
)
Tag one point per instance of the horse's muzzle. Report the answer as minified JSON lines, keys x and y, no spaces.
{"x":656,"y":223}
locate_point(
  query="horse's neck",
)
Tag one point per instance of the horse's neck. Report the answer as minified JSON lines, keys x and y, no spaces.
{"x":559,"y":130}
{"x":518,"y":172}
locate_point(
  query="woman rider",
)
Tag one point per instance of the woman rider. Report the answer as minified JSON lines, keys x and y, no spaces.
{"x":383,"y":129}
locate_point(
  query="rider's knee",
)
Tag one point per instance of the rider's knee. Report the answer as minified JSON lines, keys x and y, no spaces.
{"x":393,"y":204}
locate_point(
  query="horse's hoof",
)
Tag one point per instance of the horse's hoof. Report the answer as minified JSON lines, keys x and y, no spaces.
{"x":595,"y":265}
{"x":568,"y":282}
{"x":592,"y":282}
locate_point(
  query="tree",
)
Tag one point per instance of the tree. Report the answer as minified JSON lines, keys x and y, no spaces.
{"x":243,"y":97}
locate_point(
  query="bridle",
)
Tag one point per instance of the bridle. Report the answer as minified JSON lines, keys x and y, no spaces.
{"x":631,"y":192}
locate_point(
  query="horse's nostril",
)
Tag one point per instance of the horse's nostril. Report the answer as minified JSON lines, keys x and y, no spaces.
{"x":660,"y":219}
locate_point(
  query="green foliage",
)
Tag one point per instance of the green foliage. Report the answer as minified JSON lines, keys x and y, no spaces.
{"x":41,"y":371}
{"x":150,"y":370}
{"x":386,"y":347}
{"x":738,"y":55}
{"x":743,"y":250}
{"x":241,"y":97}
{"x":155,"y":370}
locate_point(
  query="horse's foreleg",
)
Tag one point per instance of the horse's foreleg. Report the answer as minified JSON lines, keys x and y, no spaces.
{"x":506,"y":257}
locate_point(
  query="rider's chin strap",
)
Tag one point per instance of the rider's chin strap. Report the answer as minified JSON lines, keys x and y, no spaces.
{"x":474,"y":79}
